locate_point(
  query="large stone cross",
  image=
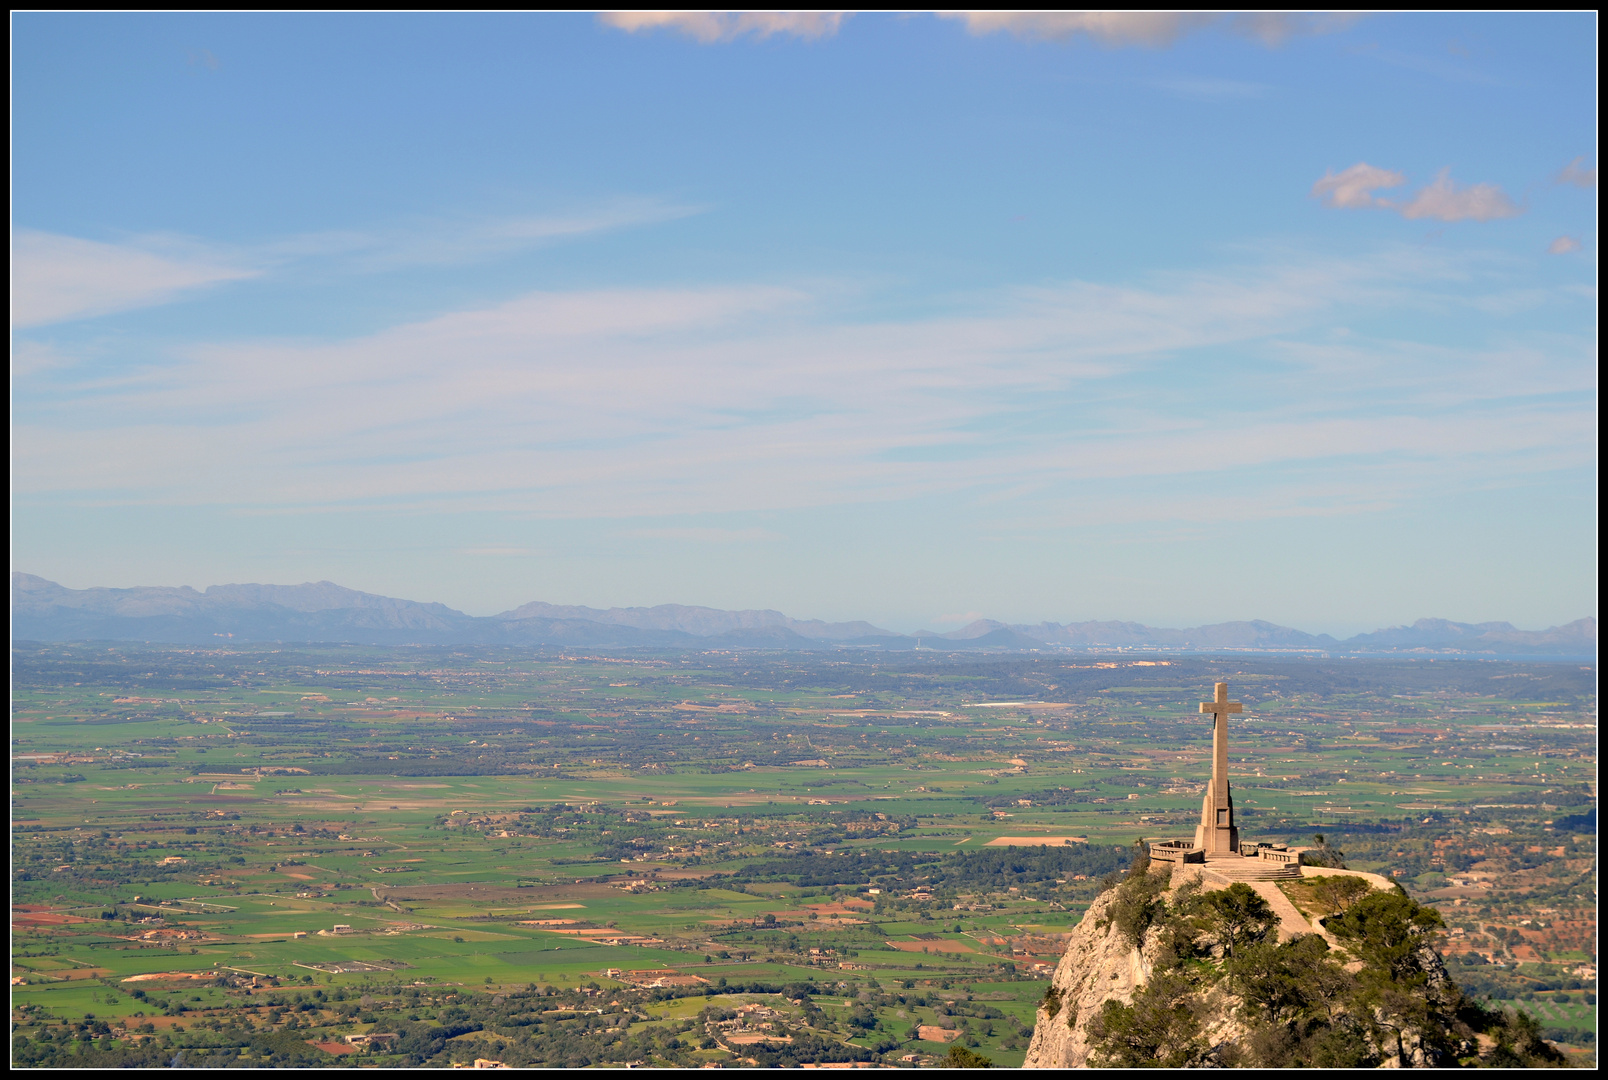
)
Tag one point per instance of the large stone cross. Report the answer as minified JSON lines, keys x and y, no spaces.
{"x":1218,"y":833}
{"x":1220,"y":705}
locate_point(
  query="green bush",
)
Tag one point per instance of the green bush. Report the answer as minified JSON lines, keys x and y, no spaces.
{"x":961,"y":1058}
{"x":1519,"y":1044}
{"x":1289,"y":982}
{"x":1236,"y":916}
{"x":1159,"y":1030}
{"x":1388,"y":931}
{"x":1138,"y":901}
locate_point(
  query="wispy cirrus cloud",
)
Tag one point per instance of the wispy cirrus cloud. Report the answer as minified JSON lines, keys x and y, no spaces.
{"x":1441,"y":200}
{"x":57,"y":278}
{"x":715,"y":26}
{"x":34,"y":357}
{"x":640,"y":402}
{"x":1563,"y":245}
{"x":1578,"y":174}
{"x":1155,"y":29}
{"x":457,"y":241}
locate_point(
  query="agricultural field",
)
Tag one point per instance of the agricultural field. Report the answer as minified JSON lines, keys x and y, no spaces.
{"x":323,"y":855}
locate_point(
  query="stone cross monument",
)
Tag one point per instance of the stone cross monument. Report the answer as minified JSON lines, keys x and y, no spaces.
{"x":1217,"y":834}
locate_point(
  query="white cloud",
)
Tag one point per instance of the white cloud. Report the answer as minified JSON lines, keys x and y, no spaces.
{"x":1563,"y":245}
{"x":1354,"y":188}
{"x":1577,"y":174}
{"x":58,"y":278}
{"x":1273,"y":28}
{"x":1445,"y":201}
{"x":712,"y":26}
{"x":1153,"y":28}
{"x":1442,"y":200}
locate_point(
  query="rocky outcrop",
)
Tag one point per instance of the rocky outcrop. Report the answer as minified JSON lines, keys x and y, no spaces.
{"x":1102,"y":964}
{"x":1098,"y":966}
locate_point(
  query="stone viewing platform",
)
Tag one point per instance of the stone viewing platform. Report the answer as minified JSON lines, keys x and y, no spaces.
{"x":1176,"y":851}
{"x":1254,"y":862}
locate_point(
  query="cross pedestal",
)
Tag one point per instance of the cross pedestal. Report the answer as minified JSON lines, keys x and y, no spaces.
{"x":1217,"y":834}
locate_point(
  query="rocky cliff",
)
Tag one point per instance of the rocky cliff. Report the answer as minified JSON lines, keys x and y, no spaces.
{"x":1099,"y":966}
{"x":1189,"y":970}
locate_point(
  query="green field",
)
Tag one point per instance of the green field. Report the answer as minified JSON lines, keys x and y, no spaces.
{"x":496,"y":824}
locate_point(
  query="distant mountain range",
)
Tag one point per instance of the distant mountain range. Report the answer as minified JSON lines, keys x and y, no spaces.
{"x":324,"y":612}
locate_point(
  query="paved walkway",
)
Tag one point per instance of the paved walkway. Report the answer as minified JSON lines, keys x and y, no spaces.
{"x":1291,"y":922}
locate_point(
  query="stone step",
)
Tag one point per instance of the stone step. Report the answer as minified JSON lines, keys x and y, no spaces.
{"x":1238,"y":868}
{"x":1264,"y":875}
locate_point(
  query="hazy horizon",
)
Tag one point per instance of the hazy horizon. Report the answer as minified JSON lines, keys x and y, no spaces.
{"x":904,"y":318}
{"x":940,"y":624}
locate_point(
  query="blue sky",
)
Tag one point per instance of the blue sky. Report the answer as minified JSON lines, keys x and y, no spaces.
{"x":910,"y":318}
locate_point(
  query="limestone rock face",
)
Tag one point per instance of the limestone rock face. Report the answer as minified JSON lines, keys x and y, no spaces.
{"x":1097,"y":967}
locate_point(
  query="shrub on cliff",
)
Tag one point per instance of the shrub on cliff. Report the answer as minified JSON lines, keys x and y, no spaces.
{"x":1235,"y":917}
{"x":1138,"y":901}
{"x":1161,"y":1029}
{"x":1388,"y":931}
{"x":1324,"y":854}
{"x":1519,"y":1044}
{"x":1332,"y":894}
{"x":1291,"y":981}
{"x":961,"y":1058}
